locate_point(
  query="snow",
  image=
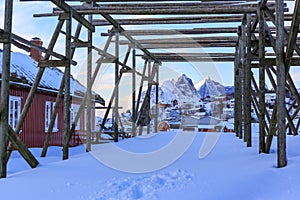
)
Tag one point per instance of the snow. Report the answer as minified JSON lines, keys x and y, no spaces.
{"x":229,"y":171}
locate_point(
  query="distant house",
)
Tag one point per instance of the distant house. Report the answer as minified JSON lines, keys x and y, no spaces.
{"x":23,"y":72}
{"x":209,"y":124}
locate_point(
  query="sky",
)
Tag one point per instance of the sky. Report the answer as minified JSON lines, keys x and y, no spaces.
{"x":28,"y":27}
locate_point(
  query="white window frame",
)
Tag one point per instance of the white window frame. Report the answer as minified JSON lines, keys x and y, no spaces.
{"x":74,"y":111}
{"x":14,"y":112}
{"x":49,"y":107}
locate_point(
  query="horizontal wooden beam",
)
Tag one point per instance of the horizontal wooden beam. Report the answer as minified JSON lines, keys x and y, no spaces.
{"x":53,"y":63}
{"x":176,"y":31}
{"x":188,"y":45}
{"x":185,"y":40}
{"x":81,"y":44}
{"x":167,"y":11}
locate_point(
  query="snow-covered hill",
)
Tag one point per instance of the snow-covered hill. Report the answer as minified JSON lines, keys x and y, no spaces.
{"x":209,"y":87}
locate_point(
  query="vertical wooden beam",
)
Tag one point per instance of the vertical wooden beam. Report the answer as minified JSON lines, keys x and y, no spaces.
{"x":5,"y":88}
{"x":67,"y":97}
{"x":149,"y":97}
{"x":243,"y":73}
{"x":281,"y":80}
{"x":116,"y":112}
{"x":140,"y":90}
{"x":236,"y":83}
{"x":156,"y":99}
{"x":238,"y":89}
{"x":247,"y":84}
{"x":133,"y":91}
{"x":89,"y":88}
{"x":261,"y":92}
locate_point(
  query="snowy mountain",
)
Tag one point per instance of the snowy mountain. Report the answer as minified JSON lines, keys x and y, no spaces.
{"x":181,"y":89}
{"x":186,"y":87}
{"x":208,"y":87}
{"x":229,"y":90}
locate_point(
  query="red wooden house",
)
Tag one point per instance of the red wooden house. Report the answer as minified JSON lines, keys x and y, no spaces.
{"x":23,"y":72}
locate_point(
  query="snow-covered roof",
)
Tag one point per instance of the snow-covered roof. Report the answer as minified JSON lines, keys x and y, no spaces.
{"x":209,"y":121}
{"x":24,"y":67}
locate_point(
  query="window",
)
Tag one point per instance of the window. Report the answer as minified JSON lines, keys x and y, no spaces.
{"x":14,"y":110}
{"x":74,"y":111}
{"x":49,"y":107}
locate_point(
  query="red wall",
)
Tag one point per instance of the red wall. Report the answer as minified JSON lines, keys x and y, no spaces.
{"x":33,"y":130}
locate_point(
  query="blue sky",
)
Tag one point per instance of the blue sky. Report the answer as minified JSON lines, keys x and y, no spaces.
{"x":26,"y":26}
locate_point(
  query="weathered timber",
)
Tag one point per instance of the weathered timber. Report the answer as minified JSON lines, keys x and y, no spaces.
{"x":67,"y":97}
{"x":261,"y":91}
{"x":281,"y":80}
{"x":248,"y":88}
{"x":20,"y":146}
{"x":5,"y":88}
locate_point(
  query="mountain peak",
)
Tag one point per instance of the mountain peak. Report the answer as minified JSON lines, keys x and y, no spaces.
{"x":207,"y":78}
{"x":209,"y":87}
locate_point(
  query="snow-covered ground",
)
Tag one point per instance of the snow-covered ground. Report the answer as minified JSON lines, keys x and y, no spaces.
{"x":229,"y":171}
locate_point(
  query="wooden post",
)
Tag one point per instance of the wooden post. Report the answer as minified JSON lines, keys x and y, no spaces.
{"x":67,"y":88}
{"x":116,"y":112}
{"x":156,"y":98}
{"x":5,"y":88}
{"x":238,"y":88}
{"x":248,"y":88}
{"x":243,"y":73}
{"x":149,"y":97}
{"x":281,"y":80}
{"x":89,"y":89}
{"x":133,"y":92}
{"x":261,"y":92}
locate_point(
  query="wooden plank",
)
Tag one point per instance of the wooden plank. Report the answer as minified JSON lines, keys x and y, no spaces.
{"x":54,"y":63}
{"x":224,"y":9}
{"x":177,"y":31}
{"x":185,"y":40}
